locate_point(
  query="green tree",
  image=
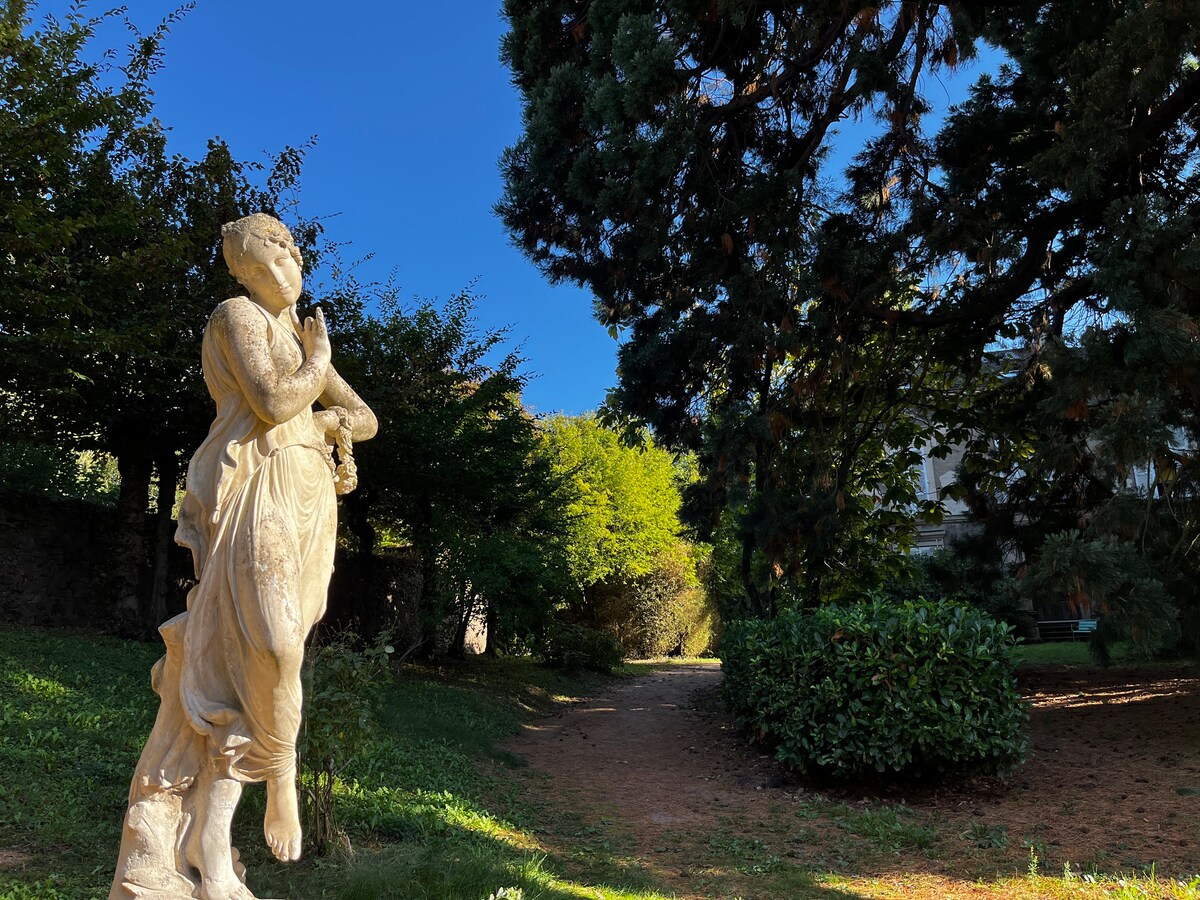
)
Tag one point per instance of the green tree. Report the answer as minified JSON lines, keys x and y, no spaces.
{"x":624,"y":507}
{"x":1069,"y":214}
{"x":1094,"y":491}
{"x":634,"y":576}
{"x":675,"y":160}
{"x":109,"y":268}
{"x":458,"y":469}
{"x":672,"y":162}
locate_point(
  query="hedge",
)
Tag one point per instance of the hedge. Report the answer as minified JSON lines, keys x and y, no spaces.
{"x":916,"y":688}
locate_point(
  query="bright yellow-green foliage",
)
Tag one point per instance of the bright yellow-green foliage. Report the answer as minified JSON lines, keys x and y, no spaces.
{"x":638,"y":579}
{"x":625,"y":512}
{"x":667,"y":611}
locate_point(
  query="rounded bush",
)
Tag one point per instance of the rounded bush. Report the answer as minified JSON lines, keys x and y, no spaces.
{"x":917,"y":688}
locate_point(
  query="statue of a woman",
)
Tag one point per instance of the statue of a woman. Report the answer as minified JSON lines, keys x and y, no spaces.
{"x":260,"y":518}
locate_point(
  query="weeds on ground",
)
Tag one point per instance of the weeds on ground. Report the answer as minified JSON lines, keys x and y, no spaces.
{"x":987,"y":837}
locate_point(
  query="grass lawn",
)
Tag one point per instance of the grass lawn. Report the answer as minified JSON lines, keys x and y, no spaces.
{"x":1078,"y":653}
{"x":1059,"y":653}
{"x":438,"y":811}
{"x":75,"y":710}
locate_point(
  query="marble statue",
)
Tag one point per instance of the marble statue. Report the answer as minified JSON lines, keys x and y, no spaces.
{"x":260,"y":518}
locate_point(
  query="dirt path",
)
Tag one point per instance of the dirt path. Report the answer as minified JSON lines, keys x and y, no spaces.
{"x":1112,"y":783}
{"x":649,"y":750}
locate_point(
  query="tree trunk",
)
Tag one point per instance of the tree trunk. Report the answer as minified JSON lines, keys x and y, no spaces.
{"x":168,"y":474}
{"x":761,"y":606}
{"x":811,"y":598}
{"x":357,"y":507}
{"x":129,"y":546}
{"x":748,"y":585}
{"x":428,"y":613}
{"x":489,"y":647}
{"x":458,"y":649}
{"x":764,"y":601}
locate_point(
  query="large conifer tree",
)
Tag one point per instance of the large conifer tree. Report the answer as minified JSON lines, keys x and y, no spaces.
{"x":673,"y":162}
{"x":794,"y":327}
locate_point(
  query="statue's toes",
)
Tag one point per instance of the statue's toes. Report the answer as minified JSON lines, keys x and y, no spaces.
{"x":286,"y":847}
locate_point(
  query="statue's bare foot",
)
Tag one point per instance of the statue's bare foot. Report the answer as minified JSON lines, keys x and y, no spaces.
{"x":282,"y":822}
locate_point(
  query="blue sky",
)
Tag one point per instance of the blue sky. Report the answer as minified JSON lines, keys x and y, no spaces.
{"x":411,"y":110}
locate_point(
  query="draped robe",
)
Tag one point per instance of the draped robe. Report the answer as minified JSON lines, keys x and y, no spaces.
{"x":260,"y":519}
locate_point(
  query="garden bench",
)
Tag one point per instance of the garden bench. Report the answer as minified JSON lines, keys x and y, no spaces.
{"x":1065,"y":629}
{"x":1084,"y":627}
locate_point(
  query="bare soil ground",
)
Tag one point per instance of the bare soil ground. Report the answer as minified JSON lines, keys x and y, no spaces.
{"x":654,"y":765}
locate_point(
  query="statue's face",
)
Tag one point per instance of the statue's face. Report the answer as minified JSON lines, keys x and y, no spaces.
{"x":271,"y":274}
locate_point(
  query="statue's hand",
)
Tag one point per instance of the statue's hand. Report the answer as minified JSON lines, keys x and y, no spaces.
{"x":329,"y":420}
{"x":313,"y":335}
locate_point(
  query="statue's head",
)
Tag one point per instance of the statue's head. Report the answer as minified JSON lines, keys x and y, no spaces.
{"x":248,"y":234}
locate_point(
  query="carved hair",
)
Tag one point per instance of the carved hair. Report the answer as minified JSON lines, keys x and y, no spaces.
{"x":237,"y":236}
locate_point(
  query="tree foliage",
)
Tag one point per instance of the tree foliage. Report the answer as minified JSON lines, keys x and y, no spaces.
{"x":634,"y":577}
{"x":803,"y":328}
{"x":624,"y":503}
{"x":667,"y":611}
{"x":458,"y":468}
{"x":109,"y":261}
{"x":109,"y":247}
{"x":672,"y":162}
{"x":1083,"y":239}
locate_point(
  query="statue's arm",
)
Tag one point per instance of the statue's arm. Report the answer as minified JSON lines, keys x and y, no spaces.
{"x":363,"y":424}
{"x":275,"y":397}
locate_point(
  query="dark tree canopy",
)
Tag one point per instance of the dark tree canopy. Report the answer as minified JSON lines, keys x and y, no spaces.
{"x":798,"y":325}
{"x":459,"y":470}
{"x":110,"y":264}
{"x":672,"y":163}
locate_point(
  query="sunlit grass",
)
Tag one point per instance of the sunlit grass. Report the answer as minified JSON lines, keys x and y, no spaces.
{"x":439,"y":811}
{"x":429,"y":811}
{"x":1031,"y":887}
{"x":668,"y":661}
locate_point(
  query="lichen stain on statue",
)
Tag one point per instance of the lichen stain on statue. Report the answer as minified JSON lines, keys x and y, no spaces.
{"x":260,"y":518}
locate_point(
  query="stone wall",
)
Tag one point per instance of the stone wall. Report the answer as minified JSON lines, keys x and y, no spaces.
{"x":54,"y":564}
{"x":52,"y":557}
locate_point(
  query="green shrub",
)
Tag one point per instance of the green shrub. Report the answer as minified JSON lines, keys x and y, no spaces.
{"x":343,"y":685}
{"x":28,"y":467}
{"x":574,"y":648}
{"x":917,"y":688}
{"x":666,"y":612}
{"x":672,"y":614}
